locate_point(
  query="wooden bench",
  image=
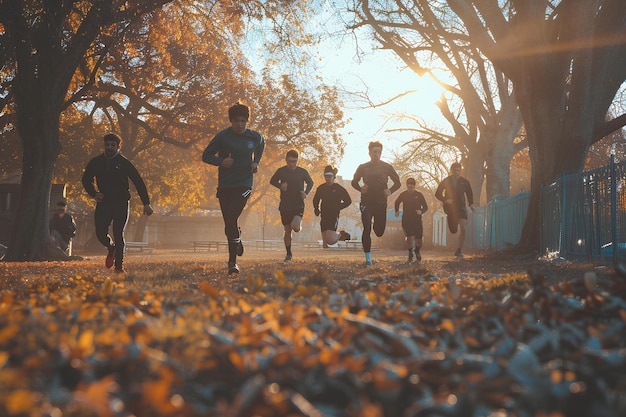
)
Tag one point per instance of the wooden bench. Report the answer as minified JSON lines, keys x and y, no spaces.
{"x":208,"y":245}
{"x":352,"y":244}
{"x":341,"y":245}
{"x":310,"y":245}
{"x":268,"y":244}
{"x":141,"y":246}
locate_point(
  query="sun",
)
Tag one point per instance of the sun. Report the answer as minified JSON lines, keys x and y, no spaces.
{"x":429,"y":89}
{"x":420,"y":95}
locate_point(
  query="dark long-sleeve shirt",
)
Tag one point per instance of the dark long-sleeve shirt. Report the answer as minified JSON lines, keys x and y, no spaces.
{"x":376,"y":175}
{"x":411,"y":201}
{"x":295,"y":179}
{"x":111,"y":176}
{"x":334,"y":198}
{"x":456,"y":190}
{"x":64,"y":225}
{"x":244,"y":149}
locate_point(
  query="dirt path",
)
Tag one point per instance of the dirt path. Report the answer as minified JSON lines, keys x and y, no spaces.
{"x":435,"y":262}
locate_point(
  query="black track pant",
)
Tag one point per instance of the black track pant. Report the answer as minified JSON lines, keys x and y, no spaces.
{"x":232,"y":202}
{"x":372,"y":215}
{"x":116,"y":213}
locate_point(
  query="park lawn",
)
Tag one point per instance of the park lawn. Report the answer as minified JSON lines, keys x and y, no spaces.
{"x":320,"y":336}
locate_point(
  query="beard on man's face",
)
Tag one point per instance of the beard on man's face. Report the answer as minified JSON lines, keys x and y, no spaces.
{"x":110,"y":150}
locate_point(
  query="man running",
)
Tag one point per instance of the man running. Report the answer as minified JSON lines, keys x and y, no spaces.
{"x":237,"y":152}
{"x":413,"y":207}
{"x":290,"y":179}
{"x":452,"y":192}
{"x":112,"y":171}
{"x":334,"y":198}
{"x":374,"y":192}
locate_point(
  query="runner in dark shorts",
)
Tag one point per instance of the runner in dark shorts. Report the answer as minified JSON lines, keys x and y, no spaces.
{"x":291,"y":180}
{"x":375,"y":175}
{"x":414,"y":206}
{"x":452,"y":192}
{"x":333,"y":198}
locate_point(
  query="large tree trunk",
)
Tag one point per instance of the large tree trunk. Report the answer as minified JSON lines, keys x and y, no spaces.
{"x":506,"y":129}
{"x":498,"y":172}
{"x":562,"y":154}
{"x":38,"y":125}
{"x":473,"y":171}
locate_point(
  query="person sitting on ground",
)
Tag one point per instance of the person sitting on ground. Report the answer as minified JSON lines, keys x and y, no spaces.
{"x":62,"y":227}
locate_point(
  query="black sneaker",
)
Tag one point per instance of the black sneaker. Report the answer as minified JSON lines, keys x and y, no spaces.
{"x":410,"y":260}
{"x":458,"y":253}
{"x":233,"y":268}
{"x":240,"y":248}
{"x":288,"y":257}
{"x":418,"y":257}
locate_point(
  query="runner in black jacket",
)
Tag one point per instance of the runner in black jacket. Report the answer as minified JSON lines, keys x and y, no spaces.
{"x":452,"y":192}
{"x":334,"y":198}
{"x":413,"y":207}
{"x":111,"y":172}
{"x":290,"y":179}
{"x":374,"y":192}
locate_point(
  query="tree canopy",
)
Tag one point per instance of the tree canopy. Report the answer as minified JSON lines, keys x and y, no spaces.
{"x":158,"y":72}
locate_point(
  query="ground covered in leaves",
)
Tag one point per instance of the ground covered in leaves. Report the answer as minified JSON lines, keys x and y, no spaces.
{"x":319,"y":336}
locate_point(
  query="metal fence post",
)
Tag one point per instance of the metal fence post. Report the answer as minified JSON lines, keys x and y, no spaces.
{"x":563,"y":231}
{"x":614,"y":209}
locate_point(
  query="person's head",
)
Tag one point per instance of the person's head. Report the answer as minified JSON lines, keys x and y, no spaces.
{"x":112,"y":144}
{"x":61,"y":206}
{"x":239,"y":114}
{"x":410,"y":183}
{"x":455,"y":169}
{"x":375,"y":150}
{"x":292,"y":159}
{"x":329,"y":174}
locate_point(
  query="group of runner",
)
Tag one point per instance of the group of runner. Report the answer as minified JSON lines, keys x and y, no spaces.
{"x":237,"y":152}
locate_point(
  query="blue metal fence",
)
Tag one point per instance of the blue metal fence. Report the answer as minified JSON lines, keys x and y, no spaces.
{"x":494,"y":226}
{"x":583,"y":215}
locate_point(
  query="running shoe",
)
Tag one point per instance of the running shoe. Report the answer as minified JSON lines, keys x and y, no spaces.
{"x":343,"y":235}
{"x":233,"y":268}
{"x":108,"y":262}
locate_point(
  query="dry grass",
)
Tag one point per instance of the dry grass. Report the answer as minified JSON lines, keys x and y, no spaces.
{"x":321,"y":335}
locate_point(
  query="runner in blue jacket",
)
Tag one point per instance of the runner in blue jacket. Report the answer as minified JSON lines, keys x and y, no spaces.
{"x":237,"y":151}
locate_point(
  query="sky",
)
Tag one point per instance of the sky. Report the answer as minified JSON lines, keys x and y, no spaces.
{"x":383,"y":76}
